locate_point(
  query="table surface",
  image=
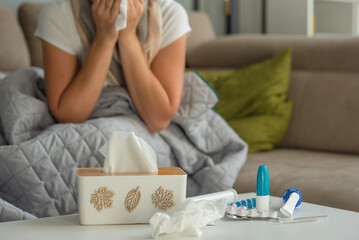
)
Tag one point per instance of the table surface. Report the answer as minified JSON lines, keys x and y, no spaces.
{"x":340,"y":224}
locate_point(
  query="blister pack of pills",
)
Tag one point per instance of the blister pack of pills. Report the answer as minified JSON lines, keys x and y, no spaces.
{"x":245,"y":210}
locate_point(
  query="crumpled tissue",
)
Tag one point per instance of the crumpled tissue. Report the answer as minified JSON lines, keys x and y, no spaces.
{"x":189,"y":217}
{"x":121,"y":20}
{"x":127,"y":153}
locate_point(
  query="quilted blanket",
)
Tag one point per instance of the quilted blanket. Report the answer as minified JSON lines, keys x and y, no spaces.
{"x":39,"y":158}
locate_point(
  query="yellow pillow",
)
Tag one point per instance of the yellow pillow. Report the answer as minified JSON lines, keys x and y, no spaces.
{"x":253,"y":100}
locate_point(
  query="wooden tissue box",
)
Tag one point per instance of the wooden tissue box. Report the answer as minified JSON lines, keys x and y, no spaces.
{"x":126,"y":198}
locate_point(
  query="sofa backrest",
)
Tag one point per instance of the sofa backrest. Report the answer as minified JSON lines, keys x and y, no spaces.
{"x":28,"y":16}
{"x":311,"y":54}
{"x":14,"y":53}
{"x":202,"y":30}
{"x":324,"y":84}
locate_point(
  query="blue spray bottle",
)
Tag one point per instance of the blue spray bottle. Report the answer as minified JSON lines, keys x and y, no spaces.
{"x":262,"y":195}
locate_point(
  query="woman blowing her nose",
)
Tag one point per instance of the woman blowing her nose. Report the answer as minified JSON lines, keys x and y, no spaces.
{"x":83,"y":53}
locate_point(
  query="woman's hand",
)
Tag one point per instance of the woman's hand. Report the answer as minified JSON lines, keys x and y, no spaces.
{"x":135,"y":9}
{"x":105,"y":13}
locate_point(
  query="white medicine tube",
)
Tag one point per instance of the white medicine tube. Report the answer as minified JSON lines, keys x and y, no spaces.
{"x":230,"y":196}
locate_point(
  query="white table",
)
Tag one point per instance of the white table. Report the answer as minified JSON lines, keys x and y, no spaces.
{"x":340,"y":224}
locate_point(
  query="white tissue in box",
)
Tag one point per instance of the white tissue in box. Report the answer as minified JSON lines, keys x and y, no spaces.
{"x":127,"y":153}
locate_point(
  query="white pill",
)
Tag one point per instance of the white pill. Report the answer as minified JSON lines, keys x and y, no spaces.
{"x":232,"y":209}
{"x":262,"y":214}
{"x":242,"y":212}
{"x":252,"y":213}
{"x":243,"y":208}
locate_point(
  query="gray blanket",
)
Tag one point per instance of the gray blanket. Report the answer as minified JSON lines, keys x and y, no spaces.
{"x":39,"y":158}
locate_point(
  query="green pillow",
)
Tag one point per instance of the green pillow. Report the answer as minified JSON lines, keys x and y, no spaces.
{"x":253,"y":100}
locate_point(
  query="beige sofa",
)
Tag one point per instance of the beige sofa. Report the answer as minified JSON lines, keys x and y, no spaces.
{"x":319,"y":153}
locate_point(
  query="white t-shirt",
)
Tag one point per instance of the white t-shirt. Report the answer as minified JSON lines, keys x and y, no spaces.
{"x":57,"y":26}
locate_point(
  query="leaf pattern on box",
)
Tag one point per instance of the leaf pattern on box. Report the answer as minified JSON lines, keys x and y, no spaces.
{"x":102,"y":198}
{"x":163,"y":199}
{"x":132,"y":199}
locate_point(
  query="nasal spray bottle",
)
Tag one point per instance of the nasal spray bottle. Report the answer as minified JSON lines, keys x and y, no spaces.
{"x":262,"y":197}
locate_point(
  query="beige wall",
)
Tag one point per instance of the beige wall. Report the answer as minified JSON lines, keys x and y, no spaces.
{"x":248,"y":19}
{"x":290,"y":17}
{"x":248,"y":14}
{"x":337,"y":18}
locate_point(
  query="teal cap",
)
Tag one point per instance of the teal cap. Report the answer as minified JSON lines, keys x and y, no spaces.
{"x":262,"y":181}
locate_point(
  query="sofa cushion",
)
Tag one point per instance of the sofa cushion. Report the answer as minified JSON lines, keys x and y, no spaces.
{"x":14,"y":53}
{"x":202,"y":29}
{"x":28,"y":17}
{"x":325,"y":111}
{"x":323,"y":178}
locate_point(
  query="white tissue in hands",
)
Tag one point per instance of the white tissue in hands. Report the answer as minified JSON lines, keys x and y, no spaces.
{"x":127,"y":153}
{"x":121,"y":20}
{"x":189,"y":217}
